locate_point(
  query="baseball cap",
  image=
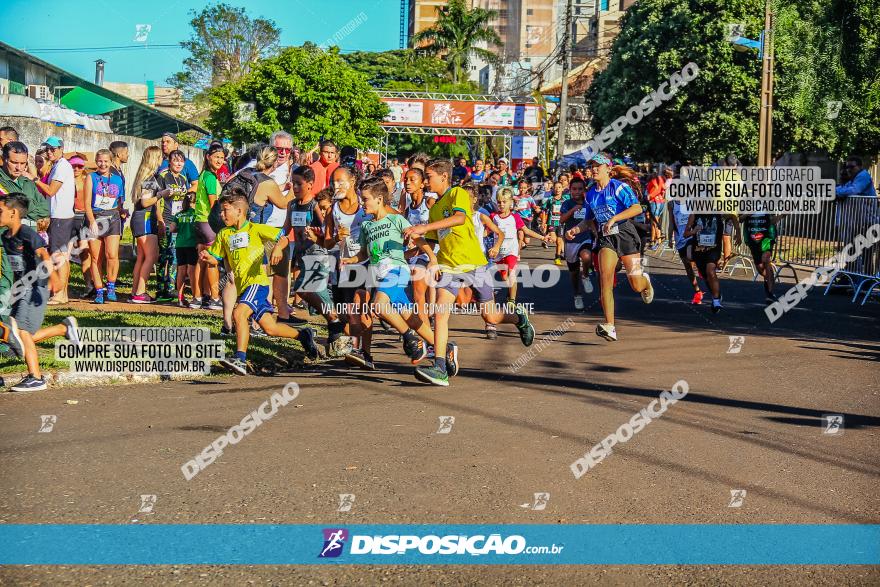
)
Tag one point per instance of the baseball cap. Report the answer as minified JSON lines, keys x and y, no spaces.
{"x":54,"y":142}
{"x":77,"y":160}
{"x":503,"y":160}
{"x":600,"y":159}
{"x":170,"y":135}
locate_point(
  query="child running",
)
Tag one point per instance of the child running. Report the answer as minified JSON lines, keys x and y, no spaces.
{"x":382,"y":243}
{"x":551,"y":219}
{"x":506,"y":250}
{"x":463,"y":263}
{"x":415,"y":207}
{"x":28,"y":256}
{"x":242,"y":244}
{"x":708,"y":230}
{"x":578,"y":250}
{"x":684,"y":245}
{"x":611,"y":203}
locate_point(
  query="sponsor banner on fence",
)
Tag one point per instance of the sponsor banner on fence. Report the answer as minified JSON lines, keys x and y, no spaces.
{"x":462,"y":114}
{"x":613,"y":544}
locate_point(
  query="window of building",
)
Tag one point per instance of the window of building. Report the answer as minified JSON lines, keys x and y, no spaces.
{"x":529,"y":12}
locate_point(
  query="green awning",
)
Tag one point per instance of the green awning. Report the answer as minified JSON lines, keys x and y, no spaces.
{"x":87,"y":102}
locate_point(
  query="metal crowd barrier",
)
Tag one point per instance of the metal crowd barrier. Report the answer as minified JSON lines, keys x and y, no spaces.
{"x":809,"y":242}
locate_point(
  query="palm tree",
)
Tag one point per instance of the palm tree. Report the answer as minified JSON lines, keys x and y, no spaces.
{"x":456,"y":34}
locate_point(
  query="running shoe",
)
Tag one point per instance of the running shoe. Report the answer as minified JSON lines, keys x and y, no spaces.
{"x":648,"y":293}
{"x":29,"y":383}
{"x":558,"y":261}
{"x":236,"y":365}
{"x":213,"y":305}
{"x":414,"y":347}
{"x":716,"y":305}
{"x":182,"y":303}
{"x":771,"y":299}
{"x":195,"y":304}
{"x":451,"y":359}
{"x":257,"y":332}
{"x":526,"y":330}
{"x":143,"y":298}
{"x":88,"y":294}
{"x":307,"y":340}
{"x":111,"y":294}
{"x":224,"y":331}
{"x":491,"y":331}
{"x":432,"y":375}
{"x":578,"y":302}
{"x":292,"y":320}
{"x":361,"y":359}
{"x":164,"y":297}
{"x":545,"y":245}
{"x":99,"y":296}
{"x":10,"y":336}
{"x":587,"y":283}
{"x":607,"y":331}
{"x":72,"y":330}
{"x":697,"y":299}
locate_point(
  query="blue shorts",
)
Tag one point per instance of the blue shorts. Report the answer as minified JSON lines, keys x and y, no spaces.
{"x":256,"y":297}
{"x":394,"y":285}
{"x":657,"y":209}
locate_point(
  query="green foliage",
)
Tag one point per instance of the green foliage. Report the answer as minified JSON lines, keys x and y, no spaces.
{"x":402,"y":66}
{"x":224,"y":44}
{"x":456,"y":35}
{"x":826,"y":50}
{"x":309,"y":93}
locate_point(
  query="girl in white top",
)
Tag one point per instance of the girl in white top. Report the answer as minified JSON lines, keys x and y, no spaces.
{"x":506,"y":250}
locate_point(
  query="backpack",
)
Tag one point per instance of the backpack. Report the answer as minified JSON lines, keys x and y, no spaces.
{"x":248,"y":180}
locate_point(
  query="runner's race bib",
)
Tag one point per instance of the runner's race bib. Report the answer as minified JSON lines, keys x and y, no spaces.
{"x":239,"y":241}
{"x":176,"y":206}
{"x":609,"y":230}
{"x":581,"y":214}
{"x":298,"y":219}
{"x":16,"y":262}
{"x":706,"y":240}
{"x":104,"y":202}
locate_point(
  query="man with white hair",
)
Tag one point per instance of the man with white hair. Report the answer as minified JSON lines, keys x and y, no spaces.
{"x":280,"y":272}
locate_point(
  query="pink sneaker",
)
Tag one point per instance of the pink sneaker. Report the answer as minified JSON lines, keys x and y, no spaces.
{"x":141,"y":299}
{"x":698,"y":298}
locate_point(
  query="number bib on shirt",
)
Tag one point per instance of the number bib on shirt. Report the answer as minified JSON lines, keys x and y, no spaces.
{"x":239,"y":241}
{"x":16,"y":262}
{"x":104,"y":202}
{"x":706,"y":240}
{"x":299,"y":219}
{"x":176,"y":206}
{"x":612,"y":230}
{"x":581,"y":214}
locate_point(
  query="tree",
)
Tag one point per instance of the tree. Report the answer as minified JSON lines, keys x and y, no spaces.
{"x":404,"y":66}
{"x":224,"y":45}
{"x":456,"y":35}
{"x":310,"y":93}
{"x":826,"y":51}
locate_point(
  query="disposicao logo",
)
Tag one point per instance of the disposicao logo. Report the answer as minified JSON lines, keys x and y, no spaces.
{"x":334,"y":541}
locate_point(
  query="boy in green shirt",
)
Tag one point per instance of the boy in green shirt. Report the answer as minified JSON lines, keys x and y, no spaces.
{"x":382,"y":242}
{"x":242,"y":244}
{"x":463,"y":264}
{"x":186,"y":255}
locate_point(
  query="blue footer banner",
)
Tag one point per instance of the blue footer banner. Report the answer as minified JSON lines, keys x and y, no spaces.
{"x":613,"y":544}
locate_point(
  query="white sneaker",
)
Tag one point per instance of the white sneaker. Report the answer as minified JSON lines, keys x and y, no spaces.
{"x":606,"y":331}
{"x":588,"y":285}
{"x":648,"y":292}
{"x":578,"y":302}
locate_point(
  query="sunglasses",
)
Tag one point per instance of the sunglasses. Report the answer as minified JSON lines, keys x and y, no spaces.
{"x":78,"y":166}
{"x":283,"y":150}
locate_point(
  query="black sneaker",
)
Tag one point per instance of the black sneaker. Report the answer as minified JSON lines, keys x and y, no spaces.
{"x":414,"y":347}
{"x":433,"y":375}
{"x":224,"y":331}
{"x":771,"y":299}
{"x":72,"y":330}
{"x":359,"y":358}
{"x":526,"y":330}
{"x":307,"y":340}
{"x":212,"y":304}
{"x":30,"y":383}
{"x":258,"y":332}
{"x":451,"y":359}
{"x":293,"y":320}
{"x":165,"y":296}
{"x":235,"y":365}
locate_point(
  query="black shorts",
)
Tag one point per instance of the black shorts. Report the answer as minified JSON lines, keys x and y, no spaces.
{"x":144,"y":223}
{"x":704,"y":257}
{"x":625,"y":242}
{"x":112,"y":220}
{"x":187,"y":256}
{"x":557,"y":230}
{"x":758,"y":252}
{"x":61,"y":230}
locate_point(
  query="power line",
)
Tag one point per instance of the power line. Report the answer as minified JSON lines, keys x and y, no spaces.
{"x":110,"y":48}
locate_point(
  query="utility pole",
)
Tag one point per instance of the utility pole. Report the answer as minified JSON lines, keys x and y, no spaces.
{"x":562,"y":119}
{"x":765,"y":132}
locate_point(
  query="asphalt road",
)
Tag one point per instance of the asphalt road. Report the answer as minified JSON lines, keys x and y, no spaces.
{"x":752,"y":420}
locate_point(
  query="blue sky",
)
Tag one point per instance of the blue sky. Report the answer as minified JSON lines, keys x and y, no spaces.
{"x":299,"y":21}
